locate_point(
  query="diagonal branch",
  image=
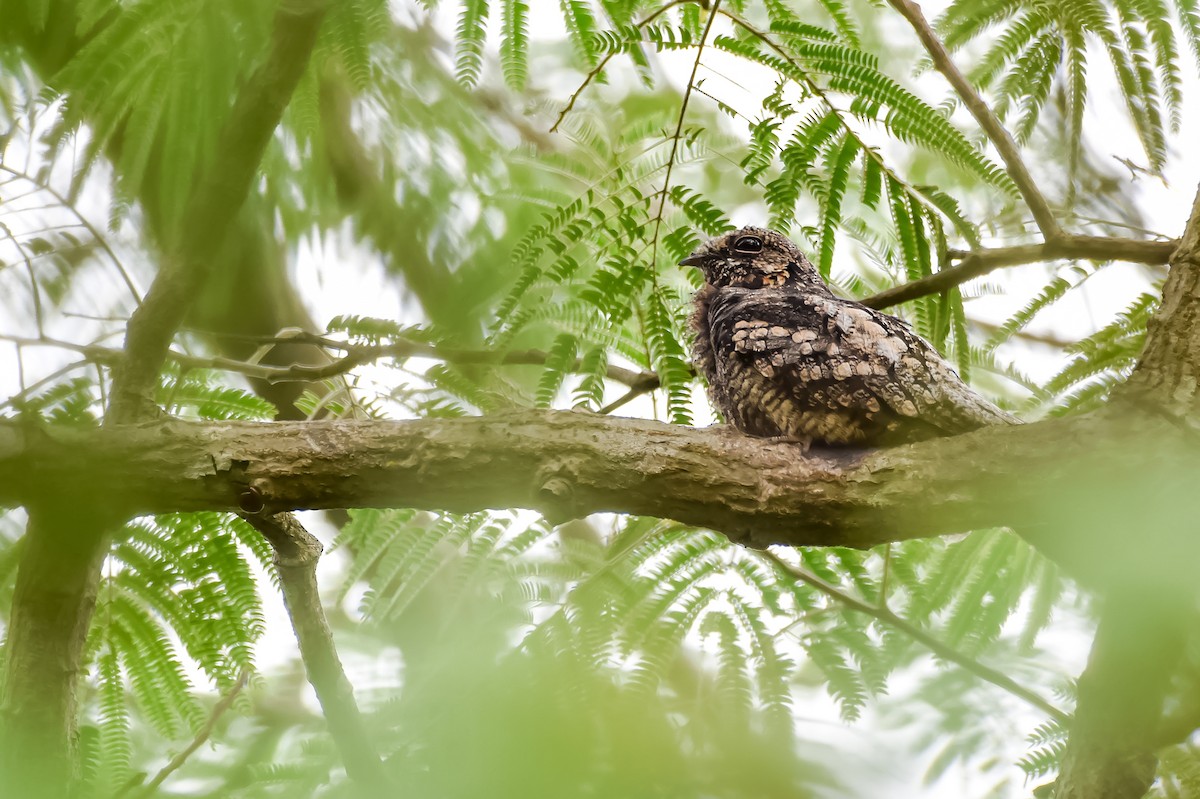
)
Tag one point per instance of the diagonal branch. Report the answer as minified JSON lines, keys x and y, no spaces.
{"x":201,"y":736}
{"x":297,"y":553}
{"x":213,"y":206}
{"x":987,"y":120}
{"x":930,"y":642}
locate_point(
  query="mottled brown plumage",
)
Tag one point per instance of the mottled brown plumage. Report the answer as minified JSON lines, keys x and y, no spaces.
{"x":786,"y":358}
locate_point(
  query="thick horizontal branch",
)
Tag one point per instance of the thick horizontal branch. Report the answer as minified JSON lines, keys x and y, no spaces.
{"x":981,"y":262}
{"x":1053,"y":475}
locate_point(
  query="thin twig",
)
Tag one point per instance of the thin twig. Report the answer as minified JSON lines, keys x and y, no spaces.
{"x":992,"y":128}
{"x":683,"y":106}
{"x":202,"y":735}
{"x":596,"y":70}
{"x":63,"y":202}
{"x":25,"y":393}
{"x":356,"y":355}
{"x":939,"y":648}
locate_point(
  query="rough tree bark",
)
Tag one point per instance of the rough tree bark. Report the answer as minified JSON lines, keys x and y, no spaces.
{"x":1168,"y":372}
{"x":568,"y":464}
{"x":1146,"y":617}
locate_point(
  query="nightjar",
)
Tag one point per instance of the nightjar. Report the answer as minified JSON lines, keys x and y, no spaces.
{"x":786,"y":358}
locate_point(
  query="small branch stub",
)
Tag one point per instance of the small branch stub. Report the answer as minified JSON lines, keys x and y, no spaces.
{"x":556,"y":494}
{"x":251,"y":501}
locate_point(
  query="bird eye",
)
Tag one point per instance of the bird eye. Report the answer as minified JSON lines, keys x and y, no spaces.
{"x":748,"y":244}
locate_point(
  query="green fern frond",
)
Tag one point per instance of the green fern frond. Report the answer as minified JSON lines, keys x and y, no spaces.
{"x":514,"y":43}
{"x":558,"y":361}
{"x":966,"y":19}
{"x":115,"y":747}
{"x":667,"y":354}
{"x":593,"y":368}
{"x":838,"y":167}
{"x":1016,"y":39}
{"x":1051,"y":293}
{"x":843,"y":682}
{"x":469,"y":40}
{"x":581,"y":29}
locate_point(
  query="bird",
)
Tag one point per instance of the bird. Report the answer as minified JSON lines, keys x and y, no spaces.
{"x":786,"y":359}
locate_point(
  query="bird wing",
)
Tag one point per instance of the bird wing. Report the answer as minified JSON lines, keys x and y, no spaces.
{"x":838,"y":356}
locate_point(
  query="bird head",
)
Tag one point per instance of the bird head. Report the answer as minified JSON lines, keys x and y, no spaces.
{"x":753,"y":257}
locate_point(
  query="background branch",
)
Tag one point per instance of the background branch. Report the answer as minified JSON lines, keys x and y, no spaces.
{"x":930,"y":642}
{"x":992,"y":127}
{"x":297,"y":553}
{"x":980,"y":262}
{"x":212,"y":207}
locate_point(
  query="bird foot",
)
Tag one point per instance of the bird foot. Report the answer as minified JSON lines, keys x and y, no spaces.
{"x":803,"y":442}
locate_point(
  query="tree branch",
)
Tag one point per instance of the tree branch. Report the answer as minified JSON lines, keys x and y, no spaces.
{"x":212,"y":207}
{"x":201,"y":736}
{"x":930,"y":642}
{"x":297,"y":553}
{"x":1070,"y":476}
{"x":1116,"y":731}
{"x":980,"y":262}
{"x":987,"y":120}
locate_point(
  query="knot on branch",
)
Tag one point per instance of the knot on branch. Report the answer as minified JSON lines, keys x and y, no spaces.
{"x":555,"y":492}
{"x":251,"y":501}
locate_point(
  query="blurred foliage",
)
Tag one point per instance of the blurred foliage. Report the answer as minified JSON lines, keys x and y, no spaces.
{"x":493,"y":652}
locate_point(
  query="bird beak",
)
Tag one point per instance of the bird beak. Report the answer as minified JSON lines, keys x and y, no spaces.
{"x":693,"y":260}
